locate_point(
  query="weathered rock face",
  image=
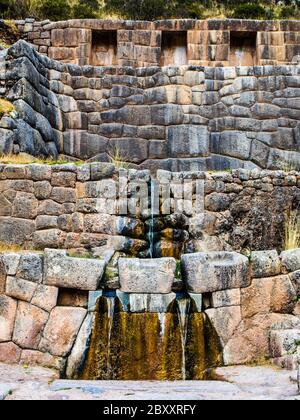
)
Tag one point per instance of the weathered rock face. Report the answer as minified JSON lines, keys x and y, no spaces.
{"x":175,"y":118}
{"x":238,"y":311}
{"x":171,"y":42}
{"x":212,"y":272}
{"x":8,"y":309}
{"x":106,"y":210}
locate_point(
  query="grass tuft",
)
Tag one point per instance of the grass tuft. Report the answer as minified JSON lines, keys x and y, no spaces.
{"x":292,"y":230}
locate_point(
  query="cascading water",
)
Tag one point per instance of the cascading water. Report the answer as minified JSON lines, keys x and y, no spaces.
{"x":126,"y":344}
{"x":183,"y":313}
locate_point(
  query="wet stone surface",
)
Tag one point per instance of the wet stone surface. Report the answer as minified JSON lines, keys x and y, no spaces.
{"x":237,"y":383}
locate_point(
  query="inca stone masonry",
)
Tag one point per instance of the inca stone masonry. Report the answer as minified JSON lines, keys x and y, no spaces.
{"x":175,"y":100}
{"x":211,"y":95}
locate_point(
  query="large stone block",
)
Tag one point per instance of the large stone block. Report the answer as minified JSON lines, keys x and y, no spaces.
{"x":6,"y":141}
{"x":273,"y":294}
{"x":25,"y":206}
{"x":147,"y":276}
{"x":226,"y":298}
{"x":265,"y":264}
{"x":31,"y":267}
{"x":215,"y":271}
{"x":72,"y":273}
{"x":9,"y":353}
{"x":20,"y":289}
{"x":284,"y":342}
{"x":30,"y":322}
{"x":8,"y":308}
{"x":49,"y":238}
{"x":61,"y":330}
{"x":10,"y":262}
{"x":45,"y":297}
{"x":225,"y":321}
{"x":185,"y":141}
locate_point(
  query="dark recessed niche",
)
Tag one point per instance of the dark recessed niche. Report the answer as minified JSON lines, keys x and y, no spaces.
{"x":243,"y":49}
{"x":174,"y":49}
{"x":104,"y":48}
{"x":72,"y":297}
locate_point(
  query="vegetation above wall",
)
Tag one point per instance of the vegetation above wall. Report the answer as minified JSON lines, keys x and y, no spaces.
{"x":150,"y":9}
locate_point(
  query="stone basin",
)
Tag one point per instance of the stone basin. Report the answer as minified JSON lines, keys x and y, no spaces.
{"x":215,"y":271}
{"x":147,"y":275}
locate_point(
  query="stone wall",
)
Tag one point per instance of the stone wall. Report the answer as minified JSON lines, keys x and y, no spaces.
{"x":82,"y":207}
{"x":48,"y":303}
{"x":184,"y":118}
{"x":139,"y":44}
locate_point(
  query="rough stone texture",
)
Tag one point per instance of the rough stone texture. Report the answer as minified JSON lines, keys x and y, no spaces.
{"x":80,"y":347}
{"x":225,"y":321}
{"x":212,"y":272}
{"x":274,"y":294}
{"x":137,"y":43}
{"x":285,"y":343}
{"x":147,"y":276}
{"x":251,"y":341}
{"x":9,"y":353}
{"x":45,"y":297}
{"x":226,"y":298}
{"x":239,"y":383}
{"x":20,"y":289}
{"x":75,"y":273}
{"x":61,"y":330}
{"x":255,"y":320}
{"x":290,"y":260}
